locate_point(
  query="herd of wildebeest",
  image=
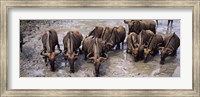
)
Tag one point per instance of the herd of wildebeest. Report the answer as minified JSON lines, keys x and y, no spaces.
{"x":142,"y":43}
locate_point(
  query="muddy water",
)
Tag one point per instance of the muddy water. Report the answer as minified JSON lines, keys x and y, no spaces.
{"x":119,"y":64}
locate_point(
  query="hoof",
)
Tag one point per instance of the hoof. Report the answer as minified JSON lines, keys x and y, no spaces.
{"x":72,"y":71}
{"x":161,"y":62}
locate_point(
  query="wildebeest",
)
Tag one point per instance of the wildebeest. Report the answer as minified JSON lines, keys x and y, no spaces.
{"x":92,"y":48}
{"x":138,"y":25}
{"x":152,"y":46}
{"x":131,"y":44}
{"x":142,"y":40}
{"x":172,"y":42}
{"x":21,"y":41}
{"x":96,"y":32}
{"x":49,"y":41}
{"x":116,"y":37}
{"x":106,"y":35}
{"x":72,"y":42}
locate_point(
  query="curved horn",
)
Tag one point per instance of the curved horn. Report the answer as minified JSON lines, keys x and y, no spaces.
{"x":91,"y":58}
{"x":168,"y":49}
{"x":44,"y":54}
{"x":89,"y":55}
{"x":102,"y":58}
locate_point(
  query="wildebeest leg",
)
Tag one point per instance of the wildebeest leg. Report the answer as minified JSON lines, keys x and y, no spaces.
{"x":45,"y":58}
{"x":168,"y":26}
{"x":171,"y":25}
{"x":157,"y":22}
{"x":118,"y":46}
{"x":122,"y":45}
{"x":128,"y":51}
{"x":80,"y":51}
{"x":58,"y":47}
{"x":85,"y":56}
{"x":21,"y":46}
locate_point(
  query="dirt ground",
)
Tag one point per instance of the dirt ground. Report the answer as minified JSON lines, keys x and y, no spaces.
{"x":119,"y":64}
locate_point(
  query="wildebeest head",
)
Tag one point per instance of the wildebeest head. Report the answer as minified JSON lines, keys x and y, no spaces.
{"x":164,"y":53}
{"x":135,"y":52}
{"x":147,"y":52}
{"x":51,"y":57}
{"x":130,"y":24}
{"x":97,"y":62}
{"x":107,"y":41}
{"x":71,"y":57}
{"x":134,"y":26}
{"x":148,"y":48}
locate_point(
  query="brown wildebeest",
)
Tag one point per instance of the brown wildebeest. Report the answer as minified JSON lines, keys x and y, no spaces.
{"x":152,"y":46}
{"x":138,"y":25}
{"x":116,"y":37}
{"x":72,"y":42}
{"x":131,"y":44}
{"x":49,"y":41}
{"x":171,"y":42}
{"x":96,"y":32}
{"x":93,"y":48}
{"x":142,"y":39}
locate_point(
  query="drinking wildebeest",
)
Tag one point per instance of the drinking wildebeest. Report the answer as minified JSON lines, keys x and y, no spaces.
{"x":131,"y":44}
{"x":92,"y":48}
{"x":142,"y":39}
{"x":138,"y":25}
{"x":96,"y":32}
{"x":49,"y":41}
{"x":152,"y":46}
{"x":172,"y":42}
{"x":72,"y":42}
{"x":116,"y":37}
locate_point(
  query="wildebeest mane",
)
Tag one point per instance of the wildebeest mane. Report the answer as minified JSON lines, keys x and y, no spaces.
{"x":169,"y":40}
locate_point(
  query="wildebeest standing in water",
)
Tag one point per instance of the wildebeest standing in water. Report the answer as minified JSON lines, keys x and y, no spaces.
{"x":93,"y":49}
{"x":172,"y":42}
{"x":131,"y":44}
{"x":72,"y":42}
{"x":138,"y":25}
{"x":96,"y":32}
{"x":142,"y":39}
{"x":117,"y":36}
{"x":152,"y":46}
{"x":49,"y":41}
